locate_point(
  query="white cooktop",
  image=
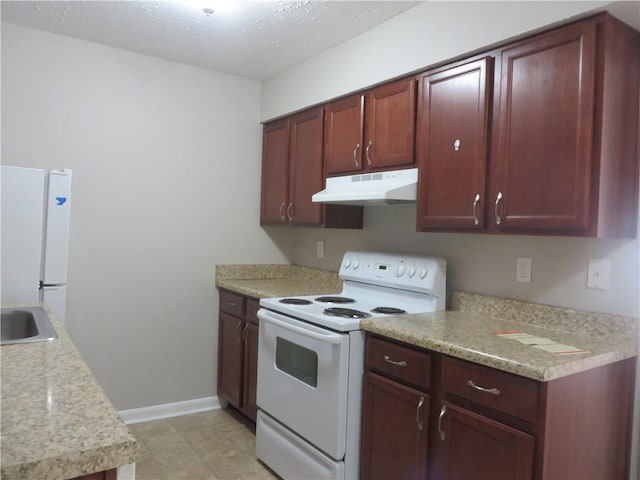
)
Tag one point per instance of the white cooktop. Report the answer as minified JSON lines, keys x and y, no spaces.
{"x":409,"y":283}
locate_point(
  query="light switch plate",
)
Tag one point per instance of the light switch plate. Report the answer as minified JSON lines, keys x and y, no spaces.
{"x":599,"y":273}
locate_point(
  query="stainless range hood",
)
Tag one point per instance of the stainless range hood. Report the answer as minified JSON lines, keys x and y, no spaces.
{"x":384,"y":188}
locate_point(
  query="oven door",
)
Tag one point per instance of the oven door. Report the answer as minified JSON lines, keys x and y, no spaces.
{"x":302,"y":379}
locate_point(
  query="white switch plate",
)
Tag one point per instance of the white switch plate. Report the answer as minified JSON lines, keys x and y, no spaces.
{"x":599,"y":273}
{"x":523,"y":269}
{"x":320,"y":249}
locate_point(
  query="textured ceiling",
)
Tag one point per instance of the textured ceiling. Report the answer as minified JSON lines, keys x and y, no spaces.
{"x":256,"y":40}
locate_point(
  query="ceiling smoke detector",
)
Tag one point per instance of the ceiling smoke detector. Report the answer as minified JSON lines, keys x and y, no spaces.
{"x":208,"y":11}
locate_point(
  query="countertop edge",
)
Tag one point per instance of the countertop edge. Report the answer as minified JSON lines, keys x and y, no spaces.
{"x":75,"y":464}
{"x":120,"y":450}
{"x":542,"y":374}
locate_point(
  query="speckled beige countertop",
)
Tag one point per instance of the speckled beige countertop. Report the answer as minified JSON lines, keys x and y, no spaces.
{"x":466,"y":332}
{"x":56,"y":422}
{"x":264,"y":281}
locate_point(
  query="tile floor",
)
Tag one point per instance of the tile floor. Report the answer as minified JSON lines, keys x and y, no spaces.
{"x":219,"y":444}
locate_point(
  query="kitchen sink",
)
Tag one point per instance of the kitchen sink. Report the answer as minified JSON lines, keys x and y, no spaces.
{"x":25,"y":325}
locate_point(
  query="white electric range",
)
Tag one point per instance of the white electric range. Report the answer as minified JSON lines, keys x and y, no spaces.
{"x":311,"y":361}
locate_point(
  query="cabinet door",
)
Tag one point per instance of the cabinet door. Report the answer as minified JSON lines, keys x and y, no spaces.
{"x":477,"y":447}
{"x":452,"y":145}
{"x":249,"y":406}
{"x":542,"y":165}
{"x":305,"y":167}
{"x":343,"y":135}
{"x":275,"y":175}
{"x":390,"y":112}
{"x":230,"y":358}
{"x":394,"y":431}
{"x":105,"y":475}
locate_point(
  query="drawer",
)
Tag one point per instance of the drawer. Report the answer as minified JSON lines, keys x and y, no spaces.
{"x":232,"y":303}
{"x":505,"y":392}
{"x":253,"y":306}
{"x":398,"y":361}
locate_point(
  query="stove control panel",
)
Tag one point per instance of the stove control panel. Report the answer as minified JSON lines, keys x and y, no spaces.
{"x":408,"y":272}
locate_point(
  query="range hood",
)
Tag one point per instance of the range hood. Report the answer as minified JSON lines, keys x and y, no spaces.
{"x":384,"y":188}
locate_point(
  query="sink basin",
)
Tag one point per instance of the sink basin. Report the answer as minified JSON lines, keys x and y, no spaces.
{"x":25,"y":325}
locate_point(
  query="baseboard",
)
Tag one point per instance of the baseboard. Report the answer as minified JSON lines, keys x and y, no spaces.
{"x":168,"y":410}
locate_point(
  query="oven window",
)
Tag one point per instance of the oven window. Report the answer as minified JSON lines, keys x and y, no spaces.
{"x":297,"y":361}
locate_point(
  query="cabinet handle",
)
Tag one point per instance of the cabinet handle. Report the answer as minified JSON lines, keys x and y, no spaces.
{"x":282,"y":211}
{"x":289,"y":216}
{"x":355,"y":153}
{"x":366,"y":152}
{"x":476,"y":220}
{"x":237,"y":327}
{"x":244,"y":332}
{"x":231,"y":304}
{"x":418,"y":421}
{"x":492,"y":391}
{"x":456,"y":145}
{"x":443,"y":410}
{"x":399,"y":364}
{"x":498,"y":198}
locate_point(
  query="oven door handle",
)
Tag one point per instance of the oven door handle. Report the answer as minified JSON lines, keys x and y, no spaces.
{"x":331,"y":338}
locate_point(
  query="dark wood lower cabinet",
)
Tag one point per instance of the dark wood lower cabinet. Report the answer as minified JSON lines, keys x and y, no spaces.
{"x":249,"y":406}
{"x":230,"y":358}
{"x":106,"y":475}
{"x":395,"y":430}
{"x":486,"y":424}
{"x":238,"y":352}
{"x":476,"y":447}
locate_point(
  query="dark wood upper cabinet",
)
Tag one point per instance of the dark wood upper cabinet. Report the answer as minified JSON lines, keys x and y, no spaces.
{"x":565,"y":153}
{"x":305,"y":167}
{"x":544,"y":141}
{"x":292,"y":171}
{"x":542,"y":171}
{"x":275,"y":173}
{"x":344,"y":130}
{"x":452,"y":142}
{"x":374,"y":130}
{"x":389,"y":128}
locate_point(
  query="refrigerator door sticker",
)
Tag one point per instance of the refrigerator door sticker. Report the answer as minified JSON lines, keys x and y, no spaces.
{"x":61,"y":200}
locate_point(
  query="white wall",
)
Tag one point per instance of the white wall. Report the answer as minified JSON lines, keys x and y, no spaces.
{"x":427,"y":34}
{"x":487,"y":263}
{"x":166,"y":166}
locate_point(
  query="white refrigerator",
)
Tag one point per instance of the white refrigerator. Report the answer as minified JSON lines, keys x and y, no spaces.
{"x":35,"y":236}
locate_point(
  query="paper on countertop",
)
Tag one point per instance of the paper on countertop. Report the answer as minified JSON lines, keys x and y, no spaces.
{"x":560,"y":349}
{"x":542,"y":343}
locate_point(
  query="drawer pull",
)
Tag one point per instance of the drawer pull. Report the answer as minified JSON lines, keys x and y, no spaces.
{"x":443,"y":410}
{"x":392,"y":362}
{"x":492,"y":391}
{"x":418,"y":421}
{"x":231,"y":304}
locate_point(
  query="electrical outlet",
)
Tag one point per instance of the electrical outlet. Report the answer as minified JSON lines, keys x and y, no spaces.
{"x":523,"y":269}
{"x":320,"y":249}
{"x":599,"y":273}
